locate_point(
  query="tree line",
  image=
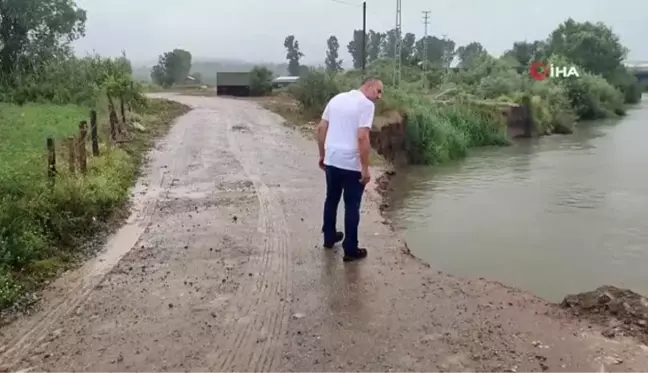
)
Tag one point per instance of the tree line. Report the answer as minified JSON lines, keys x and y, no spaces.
{"x":591,"y":46}
{"x":379,"y":45}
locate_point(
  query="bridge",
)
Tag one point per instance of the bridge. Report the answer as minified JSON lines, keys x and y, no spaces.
{"x":639,"y":69}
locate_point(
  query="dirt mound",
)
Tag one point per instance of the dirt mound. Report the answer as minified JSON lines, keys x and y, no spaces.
{"x":388,"y":137}
{"x":624,"y":311}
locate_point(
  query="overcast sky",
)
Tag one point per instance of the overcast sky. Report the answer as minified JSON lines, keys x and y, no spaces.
{"x":254,"y":30}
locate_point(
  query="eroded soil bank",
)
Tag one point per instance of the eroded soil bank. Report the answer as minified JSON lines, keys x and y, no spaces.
{"x":220,"y":268}
{"x":622,"y":311}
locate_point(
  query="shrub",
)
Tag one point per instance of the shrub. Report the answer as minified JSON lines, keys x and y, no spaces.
{"x":592,"y":97}
{"x":260,"y":81}
{"x":314,"y":90}
{"x":439,"y":133}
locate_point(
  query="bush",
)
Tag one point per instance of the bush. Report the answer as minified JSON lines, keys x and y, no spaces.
{"x":72,"y":80}
{"x":260,"y":81}
{"x":440,"y":133}
{"x":627,"y":83}
{"x":592,"y":97}
{"x":314,"y":90}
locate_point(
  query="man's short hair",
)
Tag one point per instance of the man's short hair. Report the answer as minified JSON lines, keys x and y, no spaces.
{"x":370,"y":79}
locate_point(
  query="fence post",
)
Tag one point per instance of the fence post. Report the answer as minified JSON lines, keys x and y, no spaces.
{"x":93,"y":133}
{"x":71,"y":153}
{"x":83,"y":132}
{"x":113,"y":124}
{"x":51,"y":160}
{"x":122,"y":109}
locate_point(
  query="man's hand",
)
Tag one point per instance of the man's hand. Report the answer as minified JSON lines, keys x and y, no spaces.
{"x":321,"y":164}
{"x":366,"y":176}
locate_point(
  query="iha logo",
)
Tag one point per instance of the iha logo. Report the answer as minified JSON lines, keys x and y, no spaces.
{"x":541,"y":70}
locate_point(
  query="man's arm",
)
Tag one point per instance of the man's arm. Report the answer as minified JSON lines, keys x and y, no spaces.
{"x":364,"y":135}
{"x":320,"y":133}
{"x":321,"y":130}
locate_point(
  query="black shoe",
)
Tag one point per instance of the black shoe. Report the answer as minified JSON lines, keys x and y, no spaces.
{"x":339,"y":236}
{"x":357,"y":255}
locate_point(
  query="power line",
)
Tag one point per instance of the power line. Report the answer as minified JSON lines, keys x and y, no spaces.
{"x":426,"y":22}
{"x":345,"y":3}
{"x":364,"y":36}
{"x":355,"y":5}
{"x":397,"y":50}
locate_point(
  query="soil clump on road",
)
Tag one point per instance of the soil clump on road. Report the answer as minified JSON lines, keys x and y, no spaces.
{"x":622,"y":311}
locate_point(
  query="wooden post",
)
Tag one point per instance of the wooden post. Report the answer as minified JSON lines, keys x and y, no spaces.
{"x":130,"y":102}
{"x":83,"y":132}
{"x":114,"y":124}
{"x":112,"y":118}
{"x":71,"y":153}
{"x":94,"y":133}
{"x":51,"y":160}
{"x":122,"y":109}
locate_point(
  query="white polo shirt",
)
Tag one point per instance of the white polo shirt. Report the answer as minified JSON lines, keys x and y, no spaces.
{"x":345,"y":113}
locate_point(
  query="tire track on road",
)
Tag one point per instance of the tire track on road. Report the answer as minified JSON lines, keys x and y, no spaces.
{"x":266,"y":303}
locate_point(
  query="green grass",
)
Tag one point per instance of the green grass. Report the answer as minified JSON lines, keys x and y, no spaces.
{"x":43,"y":227}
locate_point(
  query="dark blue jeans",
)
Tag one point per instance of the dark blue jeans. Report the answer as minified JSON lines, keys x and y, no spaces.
{"x":341,"y":182}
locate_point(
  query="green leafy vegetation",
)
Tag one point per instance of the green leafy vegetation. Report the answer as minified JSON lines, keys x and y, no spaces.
{"x":45,"y":91}
{"x":172,"y":68}
{"x":260,"y":81}
{"x":449,"y":109}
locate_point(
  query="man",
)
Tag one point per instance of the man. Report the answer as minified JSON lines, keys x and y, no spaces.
{"x":344,"y":145}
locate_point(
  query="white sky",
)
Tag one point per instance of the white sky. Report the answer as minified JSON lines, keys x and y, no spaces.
{"x":254,"y":30}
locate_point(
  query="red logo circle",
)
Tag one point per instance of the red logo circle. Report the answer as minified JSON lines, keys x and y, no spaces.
{"x":539,"y":70}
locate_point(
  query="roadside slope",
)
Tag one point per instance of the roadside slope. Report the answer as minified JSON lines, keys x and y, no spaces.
{"x":226,"y":273}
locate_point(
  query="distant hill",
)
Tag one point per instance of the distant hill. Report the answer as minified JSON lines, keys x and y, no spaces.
{"x":209,"y":67}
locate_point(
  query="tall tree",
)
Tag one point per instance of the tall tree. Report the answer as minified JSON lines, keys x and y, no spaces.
{"x":333,"y":64}
{"x":524,"y":52}
{"x":32,"y":31}
{"x":293,"y":55}
{"x":591,"y":45}
{"x":375,"y":48}
{"x":469,"y":53}
{"x":407,"y":47}
{"x":355,"y":48}
{"x":172,"y":68}
{"x":440,"y":52}
{"x":389,"y":45}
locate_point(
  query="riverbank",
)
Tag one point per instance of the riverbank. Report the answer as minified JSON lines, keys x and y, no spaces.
{"x":620,"y":312}
{"x":221,"y":267}
{"x":631,"y":323}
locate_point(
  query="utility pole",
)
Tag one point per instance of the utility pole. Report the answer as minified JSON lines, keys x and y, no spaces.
{"x":397,"y":50}
{"x":364,"y":36}
{"x":426,"y":22}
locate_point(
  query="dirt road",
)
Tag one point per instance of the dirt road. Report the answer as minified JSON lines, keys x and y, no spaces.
{"x":220,"y":268}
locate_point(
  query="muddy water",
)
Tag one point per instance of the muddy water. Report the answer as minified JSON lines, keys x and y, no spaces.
{"x":555,"y":215}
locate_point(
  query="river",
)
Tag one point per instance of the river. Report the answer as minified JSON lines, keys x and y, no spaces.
{"x":555,"y":215}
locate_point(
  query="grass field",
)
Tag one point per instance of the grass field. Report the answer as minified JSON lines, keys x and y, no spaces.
{"x":23,"y":132}
{"x":43,"y":227}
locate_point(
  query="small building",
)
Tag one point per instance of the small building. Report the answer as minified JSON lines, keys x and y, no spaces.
{"x":233,"y":83}
{"x":283,"y":81}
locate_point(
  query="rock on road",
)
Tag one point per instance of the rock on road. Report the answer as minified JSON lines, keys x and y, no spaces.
{"x":220,"y":268}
